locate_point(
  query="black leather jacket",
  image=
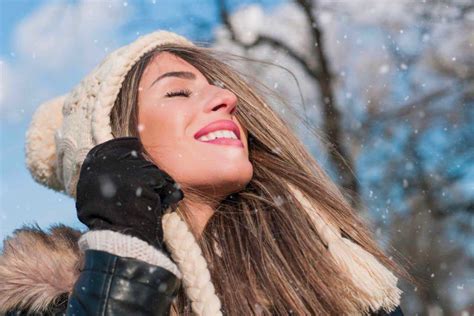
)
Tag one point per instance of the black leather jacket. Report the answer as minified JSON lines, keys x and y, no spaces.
{"x":114,"y":285}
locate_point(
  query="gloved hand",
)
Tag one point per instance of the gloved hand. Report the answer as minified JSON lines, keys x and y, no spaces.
{"x":119,"y":190}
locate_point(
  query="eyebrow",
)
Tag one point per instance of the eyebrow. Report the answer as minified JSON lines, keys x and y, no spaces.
{"x":178,"y":74}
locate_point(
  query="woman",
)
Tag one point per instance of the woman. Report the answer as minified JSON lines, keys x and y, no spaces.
{"x":179,"y":221}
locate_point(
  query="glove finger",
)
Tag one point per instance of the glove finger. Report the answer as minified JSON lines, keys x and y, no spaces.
{"x":171,"y":194}
{"x":172,"y":199}
{"x":168,"y":188}
{"x":149,"y":165}
{"x":153,"y":179}
{"x":129,"y":154}
{"x":116,"y":145}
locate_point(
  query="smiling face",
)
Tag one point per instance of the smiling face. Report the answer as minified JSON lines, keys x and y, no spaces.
{"x":175,"y":101}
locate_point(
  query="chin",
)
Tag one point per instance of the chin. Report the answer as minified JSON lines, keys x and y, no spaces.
{"x":230,"y":179}
{"x":242,"y":177}
{"x":240,"y":172}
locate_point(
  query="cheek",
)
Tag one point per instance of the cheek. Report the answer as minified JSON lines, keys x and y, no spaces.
{"x":161,"y":126}
{"x":151,"y":125}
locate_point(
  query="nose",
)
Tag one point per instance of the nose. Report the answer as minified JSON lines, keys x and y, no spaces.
{"x":222,"y":100}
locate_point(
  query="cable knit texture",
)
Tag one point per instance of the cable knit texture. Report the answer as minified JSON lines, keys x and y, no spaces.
{"x":188,"y":255}
{"x":126,"y":246}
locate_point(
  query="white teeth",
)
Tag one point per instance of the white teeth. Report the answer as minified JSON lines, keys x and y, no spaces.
{"x":218,"y":134}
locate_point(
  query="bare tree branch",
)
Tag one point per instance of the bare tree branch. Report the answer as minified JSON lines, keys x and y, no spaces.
{"x":340,"y":157}
{"x":262,"y":39}
{"x":332,"y":126}
{"x":407,"y":109}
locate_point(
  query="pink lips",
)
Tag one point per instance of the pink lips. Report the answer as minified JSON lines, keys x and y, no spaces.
{"x":219,"y":125}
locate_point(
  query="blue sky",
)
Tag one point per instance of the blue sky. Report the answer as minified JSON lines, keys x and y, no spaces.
{"x":46,"y":47}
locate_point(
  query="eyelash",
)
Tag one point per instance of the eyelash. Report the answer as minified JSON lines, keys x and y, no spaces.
{"x":182,"y":92}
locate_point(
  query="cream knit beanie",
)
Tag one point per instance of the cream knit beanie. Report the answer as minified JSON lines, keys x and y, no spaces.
{"x":63,"y":130}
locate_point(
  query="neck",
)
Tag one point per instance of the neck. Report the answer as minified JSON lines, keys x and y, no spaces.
{"x":199,"y":213}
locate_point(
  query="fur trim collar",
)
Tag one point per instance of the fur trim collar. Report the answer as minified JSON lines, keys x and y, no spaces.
{"x":39,"y":268}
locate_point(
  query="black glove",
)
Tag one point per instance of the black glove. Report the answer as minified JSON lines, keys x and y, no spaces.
{"x":119,"y":190}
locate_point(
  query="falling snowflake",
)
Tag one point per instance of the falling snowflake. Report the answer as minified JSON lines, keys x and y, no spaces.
{"x":107,"y":187}
{"x":162,"y":287}
{"x":279,"y":200}
{"x":405,"y":183}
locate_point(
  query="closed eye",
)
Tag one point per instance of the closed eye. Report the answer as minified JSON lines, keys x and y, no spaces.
{"x":182,"y":92}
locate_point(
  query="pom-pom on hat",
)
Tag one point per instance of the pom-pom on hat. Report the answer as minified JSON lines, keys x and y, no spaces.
{"x":64,"y":129}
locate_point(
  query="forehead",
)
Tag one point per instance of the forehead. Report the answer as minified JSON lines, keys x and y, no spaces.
{"x":166,"y":62}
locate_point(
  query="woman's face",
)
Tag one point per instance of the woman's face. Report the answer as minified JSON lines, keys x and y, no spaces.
{"x":169,"y":120}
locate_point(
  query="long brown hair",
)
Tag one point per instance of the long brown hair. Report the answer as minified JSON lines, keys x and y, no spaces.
{"x":264,"y":254}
